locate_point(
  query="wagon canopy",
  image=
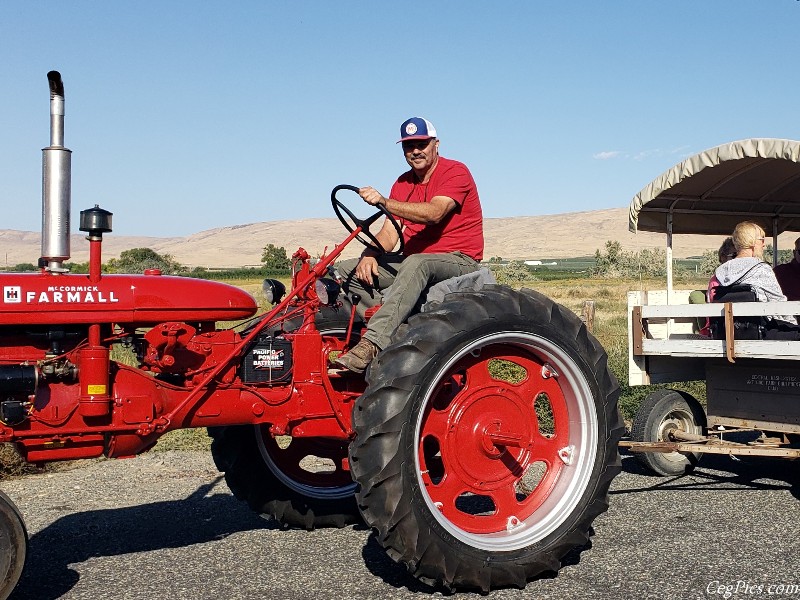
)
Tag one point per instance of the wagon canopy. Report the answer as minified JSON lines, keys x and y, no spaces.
{"x":709,"y":193}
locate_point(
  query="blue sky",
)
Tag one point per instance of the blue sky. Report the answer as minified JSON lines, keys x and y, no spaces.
{"x":186,"y":116}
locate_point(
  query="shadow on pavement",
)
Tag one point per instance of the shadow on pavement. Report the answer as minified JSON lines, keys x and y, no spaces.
{"x":394,"y":574}
{"x":171,"y":524}
{"x":722,"y":473}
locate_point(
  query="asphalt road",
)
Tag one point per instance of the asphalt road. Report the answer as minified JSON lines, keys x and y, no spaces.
{"x":164,"y":525}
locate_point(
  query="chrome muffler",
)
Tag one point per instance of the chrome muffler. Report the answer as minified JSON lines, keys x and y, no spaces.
{"x":56,"y":184}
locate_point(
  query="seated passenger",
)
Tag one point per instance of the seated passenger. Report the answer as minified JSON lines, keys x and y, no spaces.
{"x":726,"y":252}
{"x":788,"y":274}
{"x":749,"y":268}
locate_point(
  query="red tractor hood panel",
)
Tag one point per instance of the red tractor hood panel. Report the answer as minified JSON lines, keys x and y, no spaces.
{"x":44,"y":298}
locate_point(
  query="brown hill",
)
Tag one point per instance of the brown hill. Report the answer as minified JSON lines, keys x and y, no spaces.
{"x":548,"y":236}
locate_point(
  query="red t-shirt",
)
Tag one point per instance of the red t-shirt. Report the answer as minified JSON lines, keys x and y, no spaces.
{"x":462,"y":228}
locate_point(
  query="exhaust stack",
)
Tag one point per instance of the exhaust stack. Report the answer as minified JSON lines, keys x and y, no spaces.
{"x":56,"y":184}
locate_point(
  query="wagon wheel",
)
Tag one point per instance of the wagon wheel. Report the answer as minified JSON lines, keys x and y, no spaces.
{"x":487,"y":439}
{"x":310,"y":466}
{"x":282,"y":478}
{"x":660,"y":413}
{"x":13,"y":545}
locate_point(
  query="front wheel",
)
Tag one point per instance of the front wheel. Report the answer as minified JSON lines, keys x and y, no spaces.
{"x":13,"y":546}
{"x":487,"y":439}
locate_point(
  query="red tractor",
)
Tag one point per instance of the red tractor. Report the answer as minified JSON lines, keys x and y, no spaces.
{"x":480,"y":446}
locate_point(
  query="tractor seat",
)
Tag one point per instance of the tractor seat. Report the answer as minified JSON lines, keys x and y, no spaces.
{"x":471,"y":282}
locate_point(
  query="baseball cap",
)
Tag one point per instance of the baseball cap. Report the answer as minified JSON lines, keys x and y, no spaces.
{"x":416,"y":128}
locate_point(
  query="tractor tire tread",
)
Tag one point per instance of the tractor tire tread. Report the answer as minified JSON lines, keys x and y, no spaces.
{"x":380,"y":414}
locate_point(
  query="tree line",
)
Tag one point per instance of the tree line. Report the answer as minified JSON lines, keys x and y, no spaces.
{"x":613,"y":262}
{"x":274,"y":262}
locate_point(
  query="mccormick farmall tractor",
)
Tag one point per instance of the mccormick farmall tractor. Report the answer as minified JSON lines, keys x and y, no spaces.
{"x":480,"y":446}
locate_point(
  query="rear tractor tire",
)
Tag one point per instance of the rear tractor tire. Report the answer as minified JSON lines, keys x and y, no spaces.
{"x":486,"y":440}
{"x":13,"y":546}
{"x":660,"y":413}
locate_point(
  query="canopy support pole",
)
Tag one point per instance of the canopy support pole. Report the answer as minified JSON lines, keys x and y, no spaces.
{"x":669,"y":257}
{"x":774,"y":242}
{"x":669,"y":268}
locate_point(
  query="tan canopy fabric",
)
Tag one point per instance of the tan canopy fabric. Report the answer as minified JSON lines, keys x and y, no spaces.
{"x":710,"y":192}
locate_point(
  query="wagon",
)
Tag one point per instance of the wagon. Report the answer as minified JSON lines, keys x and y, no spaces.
{"x":753,"y":385}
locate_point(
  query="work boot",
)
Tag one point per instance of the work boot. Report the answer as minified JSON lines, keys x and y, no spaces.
{"x":359,"y":357}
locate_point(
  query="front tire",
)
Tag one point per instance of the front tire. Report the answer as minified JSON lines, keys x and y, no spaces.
{"x":487,"y":439}
{"x":13,"y":546}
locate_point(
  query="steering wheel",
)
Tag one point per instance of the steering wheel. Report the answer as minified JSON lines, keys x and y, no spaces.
{"x":368,"y":239}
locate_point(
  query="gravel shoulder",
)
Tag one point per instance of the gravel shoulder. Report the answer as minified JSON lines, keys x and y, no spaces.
{"x":165,"y":525}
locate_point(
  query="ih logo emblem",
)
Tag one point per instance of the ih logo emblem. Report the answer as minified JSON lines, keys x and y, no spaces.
{"x":12,"y":294}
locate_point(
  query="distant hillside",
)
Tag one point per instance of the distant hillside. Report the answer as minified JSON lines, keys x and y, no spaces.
{"x":548,"y":236}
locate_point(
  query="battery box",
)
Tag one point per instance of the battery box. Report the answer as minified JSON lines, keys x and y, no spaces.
{"x":268,"y":361}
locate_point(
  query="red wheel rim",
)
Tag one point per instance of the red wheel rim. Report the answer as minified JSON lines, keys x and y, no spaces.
{"x":482,"y":439}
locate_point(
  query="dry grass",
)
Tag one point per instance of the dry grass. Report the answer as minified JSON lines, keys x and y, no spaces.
{"x":184,"y":439}
{"x":11,"y":463}
{"x":611,"y":328}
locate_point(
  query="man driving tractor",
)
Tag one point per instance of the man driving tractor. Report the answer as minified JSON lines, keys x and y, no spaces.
{"x":437,"y":205}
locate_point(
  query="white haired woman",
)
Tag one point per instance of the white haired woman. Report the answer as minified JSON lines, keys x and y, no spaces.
{"x":749,"y":268}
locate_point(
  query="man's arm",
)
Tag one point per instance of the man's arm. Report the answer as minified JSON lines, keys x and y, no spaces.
{"x":367,"y":267}
{"x":428,"y":213}
{"x":387,"y":237}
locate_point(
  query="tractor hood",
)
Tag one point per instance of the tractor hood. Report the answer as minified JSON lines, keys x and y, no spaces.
{"x":43,"y":298}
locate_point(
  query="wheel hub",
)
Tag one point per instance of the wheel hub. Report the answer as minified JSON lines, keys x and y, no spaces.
{"x":488,"y":437}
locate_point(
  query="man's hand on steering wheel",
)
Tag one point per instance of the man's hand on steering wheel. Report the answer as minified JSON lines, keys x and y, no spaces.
{"x":372,"y":196}
{"x":365,"y":236}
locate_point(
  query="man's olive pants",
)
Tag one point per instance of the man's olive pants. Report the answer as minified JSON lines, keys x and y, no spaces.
{"x":409,"y":278}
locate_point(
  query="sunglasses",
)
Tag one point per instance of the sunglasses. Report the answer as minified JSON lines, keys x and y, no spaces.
{"x":416,"y":144}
